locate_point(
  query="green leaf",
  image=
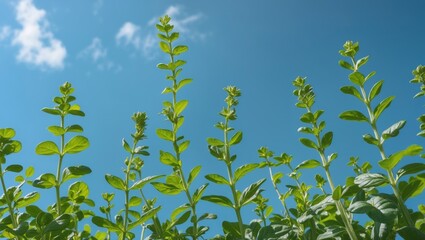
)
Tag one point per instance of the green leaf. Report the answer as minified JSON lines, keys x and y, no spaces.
{"x":14,"y":168}
{"x":58,"y":224}
{"x":243,"y":170}
{"x":394,"y":159}
{"x":371,"y":140}
{"x":179,"y":210}
{"x":215,"y":142}
{"x":237,"y":138}
{"x":27,"y":200}
{"x":368,"y":180}
{"x":199,"y":192}
{"x":105,"y":223}
{"x":182,"y":219}
{"x":56,"y":130}
{"x":220,"y":200}
{"x":166,"y":188}
{"x":165,"y":134}
{"x":163,"y":66}
{"x":164,"y":47}
{"x":411,"y":168}
{"x":76,"y":144}
{"x":180,"y":49}
{"x":362,"y":61}
{"x":134,"y":201}
{"x":407,"y":232}
{"x":307,"y":117}
{"x":216,"y":178}
{"x":353,"y":115}
{"x":78,"y":191}
{"x":145,"y":216}
{"x":183,"y":146}
{"x":52,"y":111}
{"x":276,"y":177}
{"x":183,"y":82}
{"x":180,"y":106}
{"x":357,"y":78}
{"x":7,"y":133}
{"x":29,"y":171}
{"x":332,"y":232}
{"x":346,"y":65}
{"x":375,"y":90}
{"x":394,"y":130}
{"x":141,"y":183}
{"x":47,"y":148}
{"x":74,"y":128}
{"x":168,"y":159}
{"x":251,"y":192}
{"x":351,"y":90}
{"x":337,"y":193}
{"x":126,"y":146}
{"x":193,"y":173}
{"x":308,"y":164}
{"x":308,"y":143}
{"x":115,"y":182}
{"x":46,"y":180}
{"x":327,"y":139}
{"x":74,"y":172}
{"x":382,"y":106}
{"x":413,"y":188}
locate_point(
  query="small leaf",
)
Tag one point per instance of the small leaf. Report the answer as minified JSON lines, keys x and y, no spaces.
{"x":27,"y":200}
{"x":199,"y":192}
{"x":382,"y":106}
{"x":14,"y":168}
{"x":56,"y":130}
{"x":168,"y":189}
{"x":141,"y":183}
{"x":193,"y":173}
{"x":368,"y":180}
{"x":371,"y":140}
{"x":164,"y":47}
{"x":74,"y":128}
{"x":346,"y":65}
{"x":353,"y":115}
{"x":237,"y":138}
{"x":250,"y":193}
{"x":215,"y":142}
{"x":183,"y":82}
{"x":134,"y":201}
{"x":76,"y":144}
{"x":220,"y":200}
{"x":115,"y":182}
{"x":165,"y":134}
{"x":407,"y":232}
{"x":145,"y":216}
{"x":308,"y":164}
{"x":74,"y":172}
{"x":168,"y":159}
{"x":179,"y":50}
{"x":46,"y":180}
{"x":47,"y":148}
{"x":126,"y":146}
{"x":308,"y":143}
{"x":410,"y":169}
{"x":244,"y":169}
{"x":362,"y":61}
{"x":337,"y":193}
{"x":179,"y":210}
{"x":105,"y":223}
{"x":375,"y":90}
{"x":357,"y":78}
{"x":183,"y":146}
{"x":351,"y":90}
{"x":29,"y":172}
{"x":394,"y":130}
{"x":52,"y":111}
{"x":216,"y":178}
{"x":7,"y":133}
{"x":393,"y":160}
{"x":327,"y":139}
{"x":180,"y":106}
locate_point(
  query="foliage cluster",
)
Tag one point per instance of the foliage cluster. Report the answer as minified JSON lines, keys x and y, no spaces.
{"x":332,"y":214}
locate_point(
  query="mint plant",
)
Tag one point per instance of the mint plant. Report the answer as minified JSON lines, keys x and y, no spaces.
{"x":127,"y":219}
{"x":177,"y":181}
{"x":396,"y":216}
{"x":220,"y":149}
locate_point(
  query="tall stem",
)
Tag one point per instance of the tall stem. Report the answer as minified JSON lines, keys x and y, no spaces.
{"x":8,"y":201}
{"x":127,"y":191}
{"x":59,"y":168}
{"x":390,"y":174}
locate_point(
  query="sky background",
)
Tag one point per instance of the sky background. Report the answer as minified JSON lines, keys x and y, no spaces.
{"x":109,"y":51}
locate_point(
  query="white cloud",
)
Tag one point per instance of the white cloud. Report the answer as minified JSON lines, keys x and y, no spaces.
{"x":129,"y":32}
{"x":180,"y":20}
{"x":37,"y":43}
{"x":99,"y":55}
{"x":4,"y":32}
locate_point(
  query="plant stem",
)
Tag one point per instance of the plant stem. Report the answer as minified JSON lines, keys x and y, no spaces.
{"x":58,"y":170}
{"x":8,"y":201}
{"x":344,"y":214}
{"x":127,"y":191}
{"x":177,"y":151}
{"x":393,"y":183}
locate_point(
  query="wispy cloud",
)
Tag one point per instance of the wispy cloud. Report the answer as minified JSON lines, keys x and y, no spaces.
{"x":129,"y":33}
{"x":99,"y":56}
{"x":4,"y":32}
{"x":38,"y":45}
{"x":98,"y":4}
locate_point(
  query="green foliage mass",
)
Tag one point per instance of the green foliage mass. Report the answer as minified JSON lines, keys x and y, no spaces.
{"x":333,"y":213}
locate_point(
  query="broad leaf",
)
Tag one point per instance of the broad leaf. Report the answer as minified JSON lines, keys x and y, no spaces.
{"x":368,"y":180}
{"x":216,"y":178}
{"x":14,"y":168}
{"x":375,"y":90}
{"x":47,"y":148}
{"x":250,"y":192}
{"x":353,"y":115}
{"x":357,"y":78}
{"x":220,"y":200}
{"x":243,"y":170}
{"x":193,"y":174}
{"x":384,"y":104}
{"x":56,"y":130}
{"x":165,"y":134}
{"x":105,"y":223}
{"x":180,"y":106}
{"x":410,"y":169}
{"x":327,"y":139}
{"x":215,"y":142}
{"x":393,"y":160}
{"x":166,"y":188}
{"x":308,"y":164}
{"x":168,"y":159}
{"x":115,"y":182}
{"x":351,"y":90}
{"x":46,"y":180}
{"x":237,"y":138}
{"x":308,"y":143}
{"x":76,"y":145}
{"x":74,"y":172}
{"x":141,"y":183}
{"x":394,"y":130}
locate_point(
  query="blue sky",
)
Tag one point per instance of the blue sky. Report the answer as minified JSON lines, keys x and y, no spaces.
{"x":108,"y":50}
